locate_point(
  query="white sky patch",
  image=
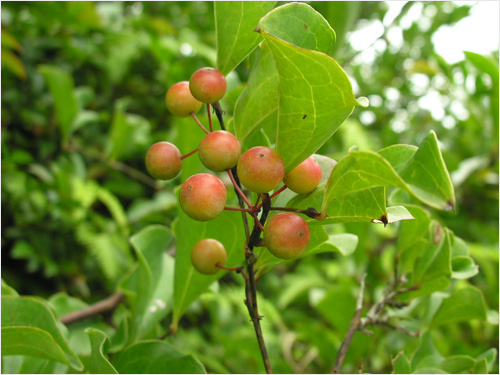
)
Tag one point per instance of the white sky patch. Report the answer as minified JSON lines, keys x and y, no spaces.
{"x":477,"y":33}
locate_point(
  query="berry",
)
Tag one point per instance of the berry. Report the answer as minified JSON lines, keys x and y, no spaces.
{"x":219,"y":150}
{"x":180,"y":102}
{"x":208,"y":85}
{"x":304,"y":177}
{"x":286,"y":235}
{"x":203,"y":197}
{"x":163,"y":161}
{"x":261,"y":169}
{"x":207,"y":254}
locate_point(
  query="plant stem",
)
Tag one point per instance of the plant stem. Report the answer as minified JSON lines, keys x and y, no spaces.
{"x":100,"y":307}
{"x":239,"y":209}
{"x":199,"y":123}
{"x":209,"y":118}
{"x":353,"y":327}
{"x":310,"y":212}
{"x":251,"y":241}
{"x":187,"y":155}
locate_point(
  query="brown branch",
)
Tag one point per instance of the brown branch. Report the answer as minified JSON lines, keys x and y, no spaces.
{"x":252,"y":240}
{"x":310,"y":212}
{"x":100,"y":307}
{"x":353,"y":327}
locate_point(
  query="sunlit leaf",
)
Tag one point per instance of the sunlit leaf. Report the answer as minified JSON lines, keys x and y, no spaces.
{"x":464,"y":304}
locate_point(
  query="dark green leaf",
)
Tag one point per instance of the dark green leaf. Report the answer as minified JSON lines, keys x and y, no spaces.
{"x":156,"y":357}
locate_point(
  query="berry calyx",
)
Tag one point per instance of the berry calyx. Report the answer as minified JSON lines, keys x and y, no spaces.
{"x":180,"y":102}
{"x":305,"y":177}
{"x":286,"y":235}
{"x":219,"y":151}
{"x":207,"y":254}
{"x":261,"y":169}
{"x":203,"y":197}
{"x":163,"y":161}
{"x":208,"y":85}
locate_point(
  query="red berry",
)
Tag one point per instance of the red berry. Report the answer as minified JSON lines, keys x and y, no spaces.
{"x":261,"y":169}
{"x":219,"y":151}
{"x":180,"y":102}
{"x":304,"y":177}
{"x":207,"y":254}
{"x":163,"y":160}
{"x":286,"y":235}
{"x":208,"y":85}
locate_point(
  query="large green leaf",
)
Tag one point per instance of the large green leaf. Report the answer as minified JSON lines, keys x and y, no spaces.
{"x":150,"y":285}
{"x":315,"y":99}
{"x":24,"y":312}
{"x":99,"y":363}
{"x":463,"y":305}
{"x":31,"y":342}
{"x":189,"y":283}
{"x":426,"y":354}
{"x":257,"y":106}
{"x":62,"y":87}
{"x":235,"y":22}
{"x":401,"y":364}
{"x":156,"y":357}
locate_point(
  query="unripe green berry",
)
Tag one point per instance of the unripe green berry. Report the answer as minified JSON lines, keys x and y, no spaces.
{"x":261,"y":169}
{"x":180,"y":102}
{"x":305,"y":177}
{"x":286,"y":235}
{"x":203,"y":197}
{"x":207,"y":254}
{"x":208,"y":85}
{"x":219,"y":151}
{"x":163,"y":161}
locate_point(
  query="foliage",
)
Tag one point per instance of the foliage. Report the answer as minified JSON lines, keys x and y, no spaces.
{"x":82,"y":100}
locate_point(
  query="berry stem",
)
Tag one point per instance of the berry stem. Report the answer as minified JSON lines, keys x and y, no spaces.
{"x":191,"y":153}
{"x":284,"y":187}
{"x":218,"y":112}
{"x":310,"y":212}
{"x":235,"y":269}
{"x":230,"y":173}
{"x":199,"y":123}
{"x":209,"y":118}
{"x":249,"y":210}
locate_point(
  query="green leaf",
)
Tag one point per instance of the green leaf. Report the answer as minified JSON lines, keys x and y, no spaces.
{"x":301,"y":25}
{"x":426,"y":355}
{"x":257,"y":106}
{"x":8,"y":41}
{"x":30,"y":313}
{"x":463,"y":267}
{"x":99,"y":342}
{"x":62,"y":88}
{"x":359,"y":171}
{"x":490,"y":356}
{"x":398,"y":155}
{"x":8,"y":290}
{"x":401,"y":364}
{"x":436,"y":260}
{"x":31,"y":342}
{"x":315,"y":97}
{"x":150,"y":285}
{"x":395,"y":214}
{"x":463,"y":305}
{"x":128,"y":134}
{"x":156,"y":357}
{"x":429,"y":370}
{"x":427,"y":176}
{"x":484,"y":64}
{"x":189,"y":283}
{"x":235,"y":22}
{"x":13,"y":63}
{"x":338,"y":306}
{"x":458,"y":364}
{"x":344,"y":244}
{"x":481,"y":367}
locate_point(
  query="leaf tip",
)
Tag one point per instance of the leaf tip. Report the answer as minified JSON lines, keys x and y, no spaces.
{"x":258,"y":30}
{"x":362,"y":101}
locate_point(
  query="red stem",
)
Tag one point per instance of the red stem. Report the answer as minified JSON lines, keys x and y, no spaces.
{"x":191,"y":153}
{"x":230,"y":173}
{"x":249,"y":210}
{"x":284,"y":187}
{"x":209,"y":118}
{"x":198,"y":122}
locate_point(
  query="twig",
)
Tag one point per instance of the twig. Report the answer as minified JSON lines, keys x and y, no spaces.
{"x":353,"y":327}
{"x":253,"y":239}
{"x":310,"y":212}
{"x":187,"y":155}
{"x":100,"y":307}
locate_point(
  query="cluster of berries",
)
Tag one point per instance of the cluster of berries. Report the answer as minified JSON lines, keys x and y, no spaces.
{"x":260,"y":170}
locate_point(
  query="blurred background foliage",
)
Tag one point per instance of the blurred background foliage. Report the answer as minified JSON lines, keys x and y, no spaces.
{"x":83,"y":87}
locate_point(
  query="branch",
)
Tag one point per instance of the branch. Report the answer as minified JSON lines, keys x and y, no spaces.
{"x":100,"y":307}
{"x":353,"y":327}
{"x":310,"y":212}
